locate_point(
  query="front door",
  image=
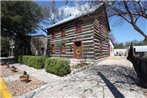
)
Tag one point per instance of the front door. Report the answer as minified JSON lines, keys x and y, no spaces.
{"x":78,"y":50}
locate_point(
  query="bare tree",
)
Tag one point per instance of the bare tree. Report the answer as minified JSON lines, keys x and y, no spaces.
{"x":112,"y":38}
{"x":51,"y":12}
{"x":130,"y":11}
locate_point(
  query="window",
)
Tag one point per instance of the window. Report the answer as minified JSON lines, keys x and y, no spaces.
{"x":100,"y":27}
{"x":100,"y":47}
{"x":107,"y":34}
{"x":63,"y":32}
{"x":53,"y":35}
{"x":108,"y":49}
{"x":78,"y":27}
{"x":63,"y":49}
{"x":52,"y":49}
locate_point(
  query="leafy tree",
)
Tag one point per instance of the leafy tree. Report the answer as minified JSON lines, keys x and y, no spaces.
{"x":135,"y":43}
{"x":59,"y":44}
{"x":118,"y":45}
{"x":19,"y":19}
{"x":4,"y":46}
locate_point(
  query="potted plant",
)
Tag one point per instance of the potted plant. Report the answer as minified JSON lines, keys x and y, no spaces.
{"x":13,"y":68}
{"x":24,"y":77}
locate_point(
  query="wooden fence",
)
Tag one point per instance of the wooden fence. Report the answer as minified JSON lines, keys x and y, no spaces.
{"x":140,"y":66}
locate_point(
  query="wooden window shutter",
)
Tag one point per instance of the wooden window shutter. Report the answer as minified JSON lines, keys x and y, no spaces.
{"x":53,"y":35}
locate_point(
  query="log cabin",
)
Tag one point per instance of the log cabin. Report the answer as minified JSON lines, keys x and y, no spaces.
{"x":86,"y":36}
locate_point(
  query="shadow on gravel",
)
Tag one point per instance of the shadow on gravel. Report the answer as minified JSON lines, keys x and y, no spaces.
{"x":117,"y":74}
{"x":113,"y":89}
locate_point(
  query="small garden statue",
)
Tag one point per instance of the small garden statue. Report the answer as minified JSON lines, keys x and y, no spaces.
{"x":24,"y":77}
{"x":13,"y":68}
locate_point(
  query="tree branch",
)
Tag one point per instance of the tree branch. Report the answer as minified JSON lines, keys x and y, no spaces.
{"x":142,"y":10}
{"x":132,"y":21}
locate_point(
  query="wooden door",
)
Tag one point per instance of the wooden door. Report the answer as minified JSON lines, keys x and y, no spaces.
{"x":78,"y":49}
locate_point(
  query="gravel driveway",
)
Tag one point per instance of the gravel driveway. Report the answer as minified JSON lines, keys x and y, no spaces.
{"x":113,"y":77}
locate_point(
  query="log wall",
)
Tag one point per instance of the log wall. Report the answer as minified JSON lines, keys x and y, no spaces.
{"x":100,"y":36}
{"x":90,"y":36}
{"x":86,"y":36}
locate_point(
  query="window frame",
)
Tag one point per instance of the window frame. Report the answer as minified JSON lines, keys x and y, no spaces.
{"x":78,"y":30}
{"x":63,"y":33}
{"x":53,"y":50}
{"x":63,"y":48}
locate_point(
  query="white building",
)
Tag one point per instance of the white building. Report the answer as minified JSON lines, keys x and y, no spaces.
{"x":111,"y":48}
{"x":140,"y":50}
{"x":120,"y":52}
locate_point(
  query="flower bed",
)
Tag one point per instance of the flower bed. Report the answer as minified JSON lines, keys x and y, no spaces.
{"x":7,"y":71}
{"x":18,"y":88}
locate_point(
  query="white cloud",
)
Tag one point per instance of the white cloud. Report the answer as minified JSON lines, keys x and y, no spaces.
{"x":76,"y":10}
{"x":67,"y":13}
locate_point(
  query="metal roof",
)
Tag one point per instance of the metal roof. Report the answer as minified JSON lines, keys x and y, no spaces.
{"x":140,"y":48}
{"x":73,"y":17}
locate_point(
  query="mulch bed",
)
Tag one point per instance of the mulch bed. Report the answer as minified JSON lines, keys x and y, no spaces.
{"x":18,"y":88}
{"x":4,"y":71}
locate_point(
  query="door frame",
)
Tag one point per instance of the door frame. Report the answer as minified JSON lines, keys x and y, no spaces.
{"x":74,"y":49}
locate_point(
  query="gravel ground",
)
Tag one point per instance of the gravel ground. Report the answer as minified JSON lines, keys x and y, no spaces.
{"x":113,"y":77}
{"x":18,"y":88}
{"x":120,"y":76}
{"x":116,"y":60}
{"x":4,"y":71}
{"x":97,"y":81}
{"x":15,"y":85}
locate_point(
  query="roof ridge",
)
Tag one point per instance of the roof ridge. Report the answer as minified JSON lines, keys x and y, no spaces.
{"x":74,"y":17}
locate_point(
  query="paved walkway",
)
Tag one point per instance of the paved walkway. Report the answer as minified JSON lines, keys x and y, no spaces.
{"x":102,"y":80}
{"x":116,"y":60}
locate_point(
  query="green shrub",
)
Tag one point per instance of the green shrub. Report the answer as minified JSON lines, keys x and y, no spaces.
{"x":30,"y":61}
{"x":57,"y":66}
{"x":25,"y":59}
{"x":37,"y":62}
{"x":19,"y":58}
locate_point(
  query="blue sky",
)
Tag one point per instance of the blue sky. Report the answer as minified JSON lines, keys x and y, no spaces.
{"x":122,"y":32}
{"x":125,"y":32}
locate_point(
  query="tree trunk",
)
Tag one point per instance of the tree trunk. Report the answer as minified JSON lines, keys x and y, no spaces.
{"x":145,"y":39}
